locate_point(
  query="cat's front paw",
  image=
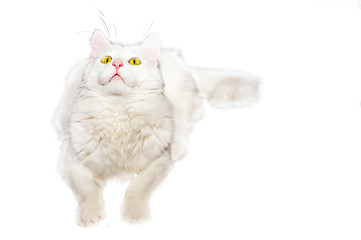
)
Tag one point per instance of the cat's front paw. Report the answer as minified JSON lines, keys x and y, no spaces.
{"x":90,"y":214}
{"x":135,"y":211}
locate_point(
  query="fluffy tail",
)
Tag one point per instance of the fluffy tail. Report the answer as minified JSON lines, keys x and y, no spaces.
{"x":226,"y":88}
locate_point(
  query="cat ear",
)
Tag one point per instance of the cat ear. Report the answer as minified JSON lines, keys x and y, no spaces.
{"x":151,"y":47}
{"x":97,"y":43}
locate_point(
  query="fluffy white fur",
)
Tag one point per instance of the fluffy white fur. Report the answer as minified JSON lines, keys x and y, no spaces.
{"x":137,"y":126}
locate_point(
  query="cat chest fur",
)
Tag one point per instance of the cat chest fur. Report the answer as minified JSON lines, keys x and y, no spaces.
{"x":112,"y":139}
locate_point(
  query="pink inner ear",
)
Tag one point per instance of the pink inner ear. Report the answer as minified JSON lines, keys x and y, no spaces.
{"x":154,"y":56}
{"x":151,"y":47}
{"x":98,"y":43}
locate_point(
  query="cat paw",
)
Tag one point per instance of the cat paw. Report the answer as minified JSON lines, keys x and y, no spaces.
{"x":90,"y":214}
{"x":135,"y":211}
{"x":234,"y":92}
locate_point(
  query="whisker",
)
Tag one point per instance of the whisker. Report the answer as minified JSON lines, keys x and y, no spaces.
{"x":101,"y":13}
{"x":104,"y":24}
{"x":84,"y":32}
{"x":105,"y":27}
{"x":115,"y":31}
{"x":145,"y":33}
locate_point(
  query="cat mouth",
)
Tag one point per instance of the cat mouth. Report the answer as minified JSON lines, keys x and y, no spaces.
{"x":116,"y":77}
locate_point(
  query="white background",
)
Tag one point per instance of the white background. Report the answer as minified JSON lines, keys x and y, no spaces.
{"x":285,"y":168}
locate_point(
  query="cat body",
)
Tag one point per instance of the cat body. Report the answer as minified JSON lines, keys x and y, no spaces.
{"x":113,"y":136}
{"x":127,"y":112}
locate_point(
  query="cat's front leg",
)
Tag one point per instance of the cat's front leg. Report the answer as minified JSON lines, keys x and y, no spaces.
{"x":135,"y":207}
{"x":88,"y":191}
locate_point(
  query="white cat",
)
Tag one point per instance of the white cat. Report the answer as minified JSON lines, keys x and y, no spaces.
{"x":126,"y":112}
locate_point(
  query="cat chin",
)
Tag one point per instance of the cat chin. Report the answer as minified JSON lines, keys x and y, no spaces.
{"x":117,"y":88}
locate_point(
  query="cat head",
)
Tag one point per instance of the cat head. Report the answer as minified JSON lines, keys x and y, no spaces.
{"x":117,"y":69}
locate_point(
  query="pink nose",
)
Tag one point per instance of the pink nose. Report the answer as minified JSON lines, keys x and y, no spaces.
{"x":117,"y":64}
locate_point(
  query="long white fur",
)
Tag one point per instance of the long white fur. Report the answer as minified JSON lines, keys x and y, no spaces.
{"x":137,"y":129}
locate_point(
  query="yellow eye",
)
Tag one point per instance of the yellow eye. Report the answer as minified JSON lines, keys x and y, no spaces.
{"x":134,"y":61}
{"x":106,"y":60}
